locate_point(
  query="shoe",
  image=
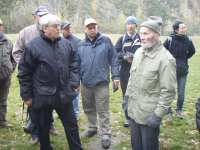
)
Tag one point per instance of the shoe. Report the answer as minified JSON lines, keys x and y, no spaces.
{"x":90,"y":133}
{"x":34,"y":141}
{"x":106,"y":143}
{"x":169,"y":117}
{"x":127,"y":123}
{"x":53,"y":131}
{"x":179,"y":115}
{"x":6,"y":125}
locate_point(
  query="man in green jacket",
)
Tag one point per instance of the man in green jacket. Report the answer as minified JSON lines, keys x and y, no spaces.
{"x":151,"y":87}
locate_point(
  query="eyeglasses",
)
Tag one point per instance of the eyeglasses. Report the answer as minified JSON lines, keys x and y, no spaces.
{"x":54,"y":26}
{"x":1,"y":24}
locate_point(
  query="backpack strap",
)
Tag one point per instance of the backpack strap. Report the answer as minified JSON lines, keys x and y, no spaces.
{"x":169,"y":39}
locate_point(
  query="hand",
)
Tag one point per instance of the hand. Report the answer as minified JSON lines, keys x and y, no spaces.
{"x":128,"y":57}
{"x":116,"y":82}
{"x":154,"y":121}
{"x":125,"y":102}
{"x":28,"y":101}
{"x":78,"y":89}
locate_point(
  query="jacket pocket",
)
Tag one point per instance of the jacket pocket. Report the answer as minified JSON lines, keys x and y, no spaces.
{"x":46,"y":90}
{"x":149,"y":80}
{"x":67,"y":94}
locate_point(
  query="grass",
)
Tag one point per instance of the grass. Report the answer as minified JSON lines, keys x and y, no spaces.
{"x":179,"y":135}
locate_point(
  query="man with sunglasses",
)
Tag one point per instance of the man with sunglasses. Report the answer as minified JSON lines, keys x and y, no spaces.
{"x":25,"y":35}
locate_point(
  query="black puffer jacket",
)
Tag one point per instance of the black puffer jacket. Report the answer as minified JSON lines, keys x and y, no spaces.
{"x":128,"y":45}
{"x":198,"y":114}
{"x":46,"y":69}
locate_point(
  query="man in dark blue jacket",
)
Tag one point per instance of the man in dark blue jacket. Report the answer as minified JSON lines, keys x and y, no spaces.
{"x":48,"y":77}
{"x":126,"y":47}
{"x":73,"y":40}
{"x":96,"y":54}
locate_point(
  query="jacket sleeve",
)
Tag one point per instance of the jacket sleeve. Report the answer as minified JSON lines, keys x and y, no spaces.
{"x":113,"y":60}
{"x":191,"y":50}
{"x":18,"y":47}
{"x":25,"y":67}
{"x":118,"y":47}
{"x":73,"y":69}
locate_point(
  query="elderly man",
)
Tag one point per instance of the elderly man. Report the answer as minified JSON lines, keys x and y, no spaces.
{"x":7,"y":66}
{"x":25,"y":35}
{"x":96,"y":54}
{"x":45,"y":55}
{"x":126,"y":47}
{"x":73,"y":40}
{"x":151,"y":87}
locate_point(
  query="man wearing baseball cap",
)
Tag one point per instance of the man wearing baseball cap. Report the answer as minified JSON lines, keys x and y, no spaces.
{"x":24,"y":36}
{"x":73,"y":40}
{"x":151,"y":87}
{"x":126,"y":47}
{"x":96,"y":56}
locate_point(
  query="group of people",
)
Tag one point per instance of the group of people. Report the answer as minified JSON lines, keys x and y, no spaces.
{"x":52,"y":69}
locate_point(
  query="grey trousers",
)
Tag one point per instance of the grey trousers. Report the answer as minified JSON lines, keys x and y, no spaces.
{"x":4,"y":90}
{"x":144,"y":137}
{"x":96,"y":100}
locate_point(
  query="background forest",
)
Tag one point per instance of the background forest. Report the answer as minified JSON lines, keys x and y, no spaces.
{"x":110,"y":14}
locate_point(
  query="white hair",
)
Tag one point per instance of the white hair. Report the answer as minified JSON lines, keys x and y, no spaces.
{"x":48,"y":20}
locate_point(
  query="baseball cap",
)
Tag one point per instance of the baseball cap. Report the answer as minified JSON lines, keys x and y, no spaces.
{"x":89,"y":21}
{"x":64,"y":24}
{"x":41,"y":10}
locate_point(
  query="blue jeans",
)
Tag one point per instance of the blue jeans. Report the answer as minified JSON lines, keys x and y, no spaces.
{"x":68,"y":119}
{"x":76,"y":104}
{"x":181,"y":82}
{"x":32,"y":114}
{"x":144,"y":137}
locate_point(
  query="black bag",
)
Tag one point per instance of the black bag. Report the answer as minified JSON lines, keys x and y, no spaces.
{"x":30,"y":123}
{"x":181,"y":67}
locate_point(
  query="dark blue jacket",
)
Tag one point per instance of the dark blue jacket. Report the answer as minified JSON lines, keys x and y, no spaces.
{"x":123,"y":45}
{"x":46,"y":69}
{"x":95,"y":59}
{"x":73,"y":40}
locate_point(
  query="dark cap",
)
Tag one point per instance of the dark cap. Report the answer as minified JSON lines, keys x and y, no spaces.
{"x":64,"y":24}
{"x":41,"y":10}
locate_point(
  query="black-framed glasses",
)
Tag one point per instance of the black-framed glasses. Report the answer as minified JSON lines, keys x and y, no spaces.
{"x":54,"y":25}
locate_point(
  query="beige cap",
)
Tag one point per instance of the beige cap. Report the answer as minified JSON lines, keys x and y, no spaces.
{"x":1,"y":21}
{"x":89,"y":21}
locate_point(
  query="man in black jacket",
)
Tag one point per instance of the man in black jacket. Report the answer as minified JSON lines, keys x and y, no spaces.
{"x":126,"y":47}
{"x":73,"y":40}
{"x":182,"y":48}
{"x":48,"y":76}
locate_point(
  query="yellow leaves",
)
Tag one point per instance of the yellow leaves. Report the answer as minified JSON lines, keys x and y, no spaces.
{"x":191,"y":131}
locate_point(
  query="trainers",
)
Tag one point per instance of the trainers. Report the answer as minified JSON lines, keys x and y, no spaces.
{"x":127,"y":123}
{"x":169,"y":117}
{"x":179,"y":115}
{"x":53,"y":131}
{"x":34,"y":141}
{"x":6,"y":125}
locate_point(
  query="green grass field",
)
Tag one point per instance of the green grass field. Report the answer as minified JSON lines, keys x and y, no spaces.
{"x":178,"y":135}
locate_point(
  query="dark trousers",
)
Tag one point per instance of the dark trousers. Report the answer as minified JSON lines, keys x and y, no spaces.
{"x":124,"y":84}
{"x":68,"y":118}
{"x":4,"y":90}
{"x":144,"y":137}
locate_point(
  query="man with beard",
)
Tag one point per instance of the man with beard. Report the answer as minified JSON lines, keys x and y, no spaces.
{"x":151,"y":87}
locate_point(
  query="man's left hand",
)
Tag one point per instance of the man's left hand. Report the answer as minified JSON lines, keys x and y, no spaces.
{"x":154,"y":121}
